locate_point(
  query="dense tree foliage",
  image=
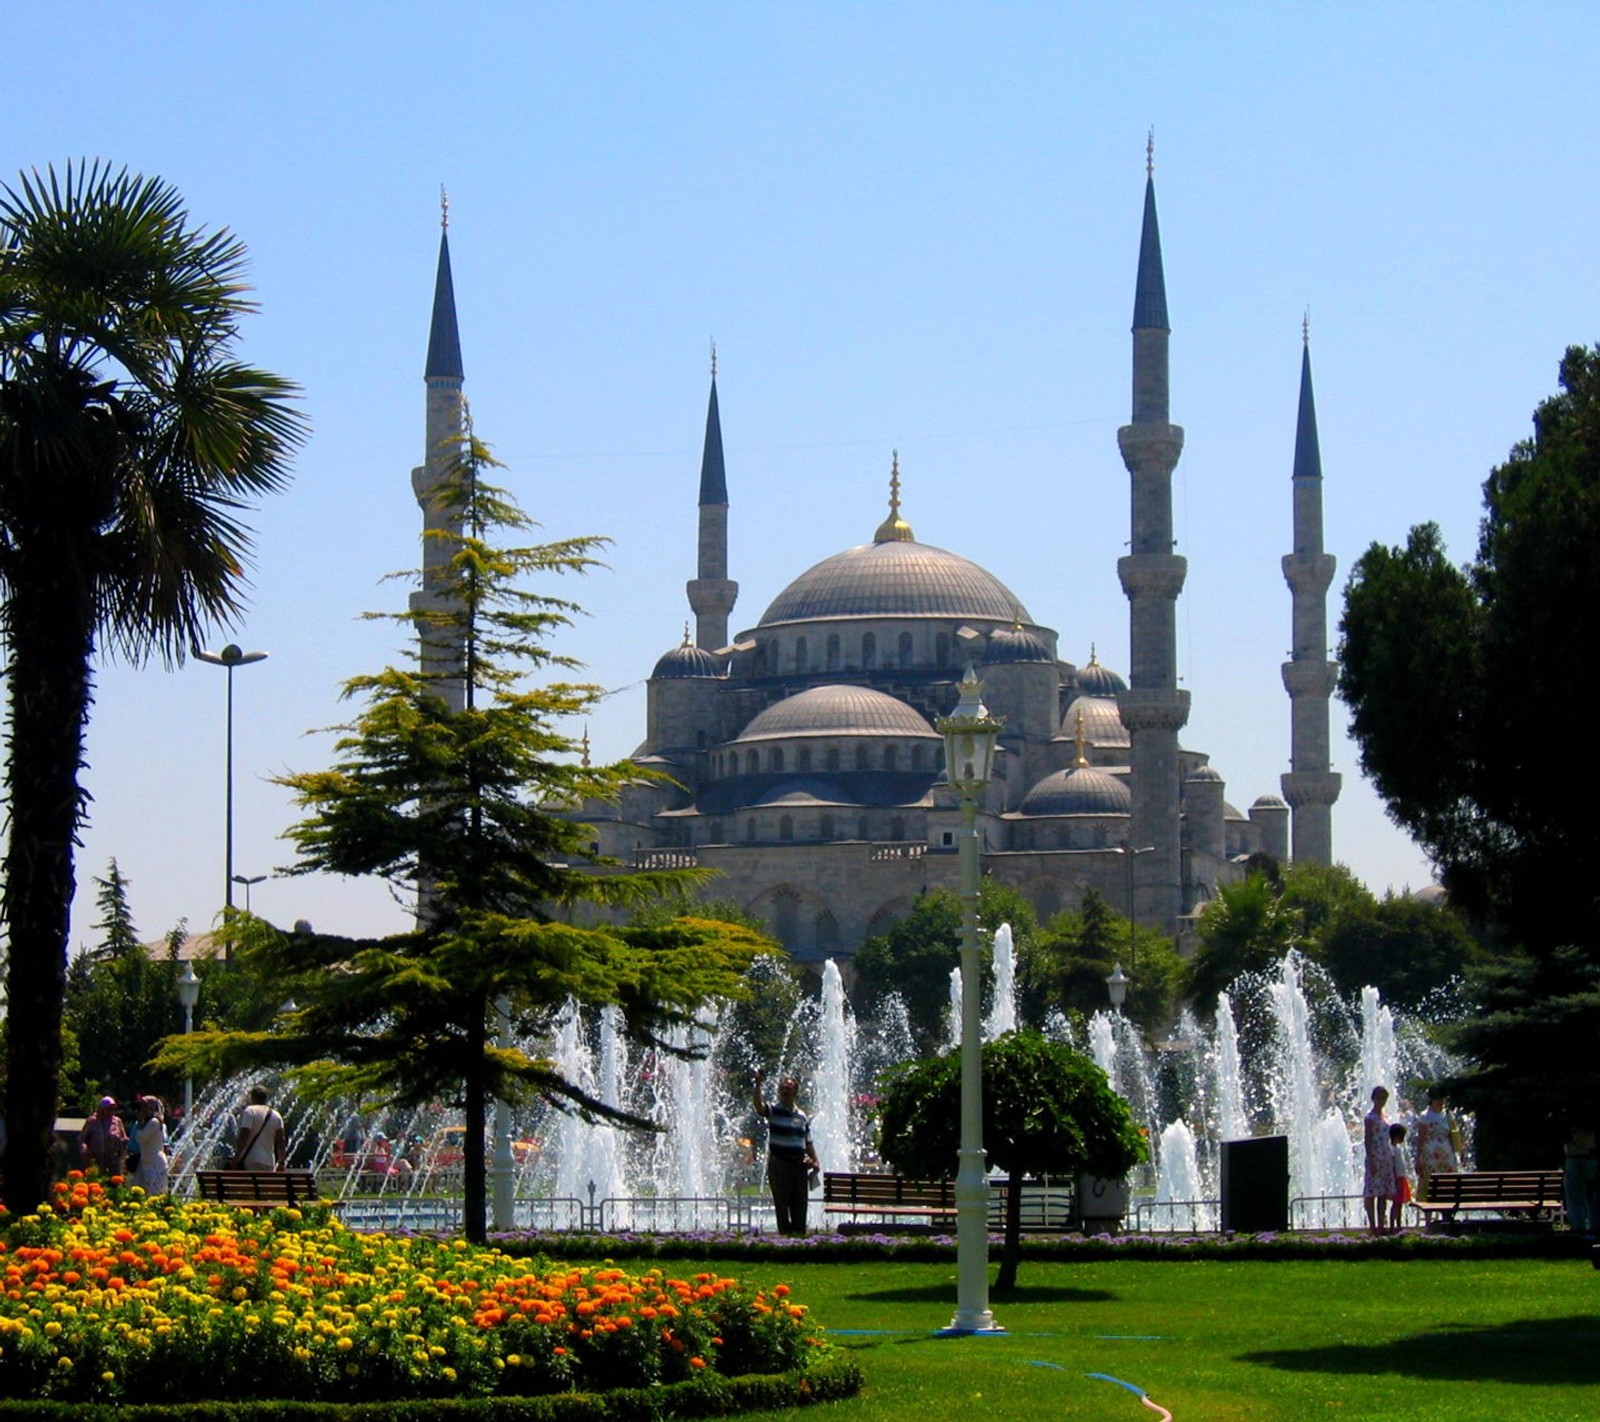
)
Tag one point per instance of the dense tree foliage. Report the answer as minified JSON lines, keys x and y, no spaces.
{"x":915,"y":957}
{"x":1447,"y":672}
{"x":130,"y":440}
{"x":1071,"y":957}
{"x":1047,"y":1110}
{"x":469,"y":805}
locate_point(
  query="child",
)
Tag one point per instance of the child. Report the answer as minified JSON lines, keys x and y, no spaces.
{"x":1402,"y":1174}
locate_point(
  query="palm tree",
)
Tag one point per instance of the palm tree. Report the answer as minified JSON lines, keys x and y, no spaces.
{"x":130,"y":442}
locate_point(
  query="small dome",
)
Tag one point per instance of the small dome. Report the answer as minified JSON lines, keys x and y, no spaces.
{"x":1231,"y":812}
{"x":1208,"y":774}
{"x":1078,"y":792}
{"x":837,"y":711}
{"x":1096,"y":680}
{"x":686,"y":661}
{"x":1102,"y":725}
{"x":896,"y":578}
{"x":1267,"y":802}
{"x":1015,"y":644}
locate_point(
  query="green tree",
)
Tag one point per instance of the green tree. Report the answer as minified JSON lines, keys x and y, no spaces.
{"x":1047,"y":1110}
{"x":915,"y":956}
{"x":1441,"y":668}
{"x":470,"y":805}
{"x":130,"y":439}
{"x":1247,"y":928}
{"x":1074,"y":954}
{"x":1405,"y":948}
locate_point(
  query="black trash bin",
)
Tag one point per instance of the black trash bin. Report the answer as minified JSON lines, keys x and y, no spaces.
{"x":1255,"y":1184}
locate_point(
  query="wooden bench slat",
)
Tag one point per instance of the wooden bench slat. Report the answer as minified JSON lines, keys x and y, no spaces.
{"x":257,"y":1189}
{"x":1507,"y":1190}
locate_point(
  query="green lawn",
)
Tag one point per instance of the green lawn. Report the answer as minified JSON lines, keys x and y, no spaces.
{"x":1436,"y":1341}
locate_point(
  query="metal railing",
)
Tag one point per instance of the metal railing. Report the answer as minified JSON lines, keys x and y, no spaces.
{"x":1326,"y":1212}
{"x":1177,"y":1216}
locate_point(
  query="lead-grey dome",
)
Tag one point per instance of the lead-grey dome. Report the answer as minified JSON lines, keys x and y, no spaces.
{"x":837,"y":711}
{"x":895,"y":579}
{"x":1096,"y":680}
{"x":1082,"y":791}
{"x":1102,"y":722}
{"x":686,"y":661}
{"x":1015,"y":644}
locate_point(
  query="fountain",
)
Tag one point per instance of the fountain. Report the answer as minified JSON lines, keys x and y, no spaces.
{"x":1002,"y":1015}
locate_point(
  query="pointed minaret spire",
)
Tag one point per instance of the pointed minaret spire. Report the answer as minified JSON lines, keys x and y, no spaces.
{"x":711,"y":593}
{"x":1153,"y":708}
{"x":445,"y":423}
{"x":1310,"y":786}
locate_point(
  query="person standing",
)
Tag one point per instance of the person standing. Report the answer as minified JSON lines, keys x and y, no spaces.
{"x":1402,"y":1175}
{"x":262,"y":1144}
{"x":1436,"y":1154}
{"x":1377,"y":1185}
{"x":791,"y":1156}
{"x":150,"y":1140}
{"x":104,"y":1140}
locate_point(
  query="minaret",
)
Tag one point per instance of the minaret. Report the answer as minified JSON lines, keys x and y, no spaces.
{"x":1309,"y":787}
{"x":446,"y":433}
{"x":1153,"y":708}
{"x":711,"y":594}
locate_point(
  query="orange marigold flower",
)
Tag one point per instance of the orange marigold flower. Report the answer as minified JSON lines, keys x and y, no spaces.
{"x":697,"y":1362}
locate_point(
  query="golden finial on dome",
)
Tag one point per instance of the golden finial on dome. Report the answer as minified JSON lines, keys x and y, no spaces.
{"x":1094,"y":656}
{"x":894,"y":529}
{"x":687,"y":641}
{"x":1079,"y":741}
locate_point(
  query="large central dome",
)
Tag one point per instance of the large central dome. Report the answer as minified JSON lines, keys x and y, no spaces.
{"x":895,"y":579}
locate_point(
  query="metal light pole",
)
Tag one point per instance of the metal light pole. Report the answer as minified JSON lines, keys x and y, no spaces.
{"x":229,"y":658}
{"x":969,"y":735}
{"x":247,"y":880}
{"x":188,"y":995}
{"x":1129,"y":854}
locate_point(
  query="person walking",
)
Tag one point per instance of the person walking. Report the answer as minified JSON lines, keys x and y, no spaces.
{"x":104,"y":1140}
{"x":262,"y":1144}
{"x":1377,"y":1185}
{"x":791,"y":1156}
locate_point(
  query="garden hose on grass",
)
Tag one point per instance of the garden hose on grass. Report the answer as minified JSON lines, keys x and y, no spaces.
{"x":1137,"y":1391}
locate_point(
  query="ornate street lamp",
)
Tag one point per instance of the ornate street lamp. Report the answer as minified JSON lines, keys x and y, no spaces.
{"x":228,"y":658}
{"x":188,"y":995}
{"x":970,"y":733}
{"x":1117,"y":986}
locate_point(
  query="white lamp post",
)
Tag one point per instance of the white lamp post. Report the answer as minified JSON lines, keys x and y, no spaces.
{"x":229,"y":658}
{"x":188,"y":995}
{"x":1117,"y":986}
{"x":970,"y":733}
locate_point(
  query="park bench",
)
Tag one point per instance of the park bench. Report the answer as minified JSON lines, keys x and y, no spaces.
{"x":1513,"y":1192}
{"x":886,"y":1197}
{"x":257,"y":1189}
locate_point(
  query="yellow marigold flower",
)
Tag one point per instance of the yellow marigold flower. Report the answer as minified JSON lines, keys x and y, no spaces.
{"x":345,"y":1343}
{"x":63,"y":1362}
{"x":108,"y":1377}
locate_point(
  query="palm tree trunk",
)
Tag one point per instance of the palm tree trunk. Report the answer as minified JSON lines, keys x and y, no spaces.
{"x":50,"y":624}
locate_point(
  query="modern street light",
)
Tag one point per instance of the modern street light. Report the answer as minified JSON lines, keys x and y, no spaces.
{"x":970,"y":733}
{"x":229,"y":658}
{"x":1129,"y":854}
{"x":1117,"y":986}
{"x":188,"y":994}
{"x":247,"y":880}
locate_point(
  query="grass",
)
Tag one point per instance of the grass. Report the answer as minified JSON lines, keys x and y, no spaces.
{"x":1445,"y":1341}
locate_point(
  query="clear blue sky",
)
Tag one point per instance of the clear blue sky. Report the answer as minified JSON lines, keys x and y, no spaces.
{"x":907,"y":226}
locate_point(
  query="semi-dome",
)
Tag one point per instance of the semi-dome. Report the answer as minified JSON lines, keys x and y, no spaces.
{"x":1102,"y":723}
{"x":1096,"y":680}
{"x":895,"y":578}
{"x":1082,"y":791}
{"x":837,"y":711}
{"x":1015,"y":644}
{"x":1207,"y":774}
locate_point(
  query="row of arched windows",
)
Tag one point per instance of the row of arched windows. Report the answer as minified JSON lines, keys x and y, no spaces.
{"x":777,"y":761}
{"x":827,"y":828}
{"x":769,"y":655}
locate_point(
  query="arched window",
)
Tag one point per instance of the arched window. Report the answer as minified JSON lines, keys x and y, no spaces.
{"x":801,"y":655}
{"x":897,"y":828}
{"x":786,"y":827}
{"x":891,"y":757}
{"x":833,"y":651}
{"x":833,"y":757}
{"x":941,"y":649}
{"x":827,"y":930}
{"x":750,"y":828}
{"x":714,"y":835}
{"x":905,"y":649}
{"x":916,"y":756}
{"x":869,"y":651}
{"x":861,"y":757}
{"x":825,"y":830}
{"x":803,"y":761}
{"x":861,"y":828}
{"x":752,"y":762}
{"x":761,"y":658}
{"x":786,"y":917}
{"x":775,"y":760}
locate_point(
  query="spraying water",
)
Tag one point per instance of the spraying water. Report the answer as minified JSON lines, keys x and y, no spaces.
{"x":1003,"y":1012}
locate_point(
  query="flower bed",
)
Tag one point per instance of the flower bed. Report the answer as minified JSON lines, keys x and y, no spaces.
{"x":110,"y":1297}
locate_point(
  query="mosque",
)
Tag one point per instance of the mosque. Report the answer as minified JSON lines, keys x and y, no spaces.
{"x":806,"y":765}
